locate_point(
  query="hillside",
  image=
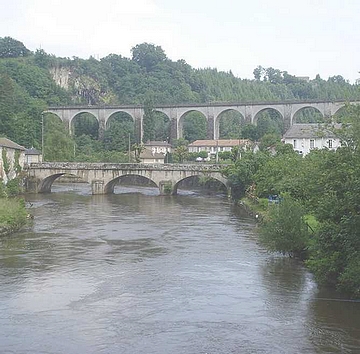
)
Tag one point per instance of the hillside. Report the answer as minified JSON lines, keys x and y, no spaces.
{"x":29,"y":82}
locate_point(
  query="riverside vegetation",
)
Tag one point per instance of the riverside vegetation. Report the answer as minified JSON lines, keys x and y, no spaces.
{"x":318,"y":215}
{"x":322,"y":187}
{"x":13,"y":214}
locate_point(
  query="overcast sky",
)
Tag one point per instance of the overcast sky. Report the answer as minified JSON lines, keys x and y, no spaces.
{"x":302,"y":37}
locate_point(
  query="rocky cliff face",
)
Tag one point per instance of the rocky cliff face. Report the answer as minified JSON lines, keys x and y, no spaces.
{"x":61,"y":75}
{"x":84,"y":89}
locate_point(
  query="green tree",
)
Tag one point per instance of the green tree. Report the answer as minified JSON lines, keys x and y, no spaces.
{"x":148,"y":55}
{"x":58,"y":145}
{"x":148,"y":121}
{"x":194,"y":127}
{"x":180,"y":154}
{"x":12,"y":48}
{"x":285,"y":229}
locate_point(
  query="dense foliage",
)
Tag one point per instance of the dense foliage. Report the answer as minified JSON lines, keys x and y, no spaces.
{"x":324,"y":184}
{"x":13,"y":214}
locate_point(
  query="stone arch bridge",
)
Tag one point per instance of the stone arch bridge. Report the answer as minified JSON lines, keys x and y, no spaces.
{"x":104,"y":176}
{"x":211,"y":111}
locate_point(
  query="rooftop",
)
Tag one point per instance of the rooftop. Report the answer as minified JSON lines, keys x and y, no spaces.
{"x":314,"y":130}
{"x":32,"y":151}
{"x":157,"y":143}
{"x":221,"y":142}
{"x":7,"y":143}
{"x":148,"y":154}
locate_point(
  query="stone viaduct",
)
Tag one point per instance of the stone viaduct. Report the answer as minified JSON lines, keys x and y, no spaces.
{"x":104,"y":176}
{"x":211,"y":111}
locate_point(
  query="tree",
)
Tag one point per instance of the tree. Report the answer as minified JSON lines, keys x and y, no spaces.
{"x":194,"y":126}
{"x":148,"y":121}
{"x":285,"y":229}
{"x":180,"y":153}
{"x":258,"y":72}
{"x":58,"y":145}
{"x":138,"y":149}
{"x":11,"y":48}
{"x":148,"y":55}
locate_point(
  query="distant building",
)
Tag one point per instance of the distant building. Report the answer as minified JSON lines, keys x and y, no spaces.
{"x":306,"y":137}
{"x":219,"y":145}
{"x":12,"y":157}
{"x":147,"y":156}
{"x":303,"y":78}
{"x":33,"y":156}
{"x":159,"y":147}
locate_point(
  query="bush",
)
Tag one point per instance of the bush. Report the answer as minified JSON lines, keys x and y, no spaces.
{"x":12,"y":213}
{"x":284,"y":230}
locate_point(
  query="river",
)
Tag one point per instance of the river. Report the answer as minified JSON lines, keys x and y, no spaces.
{"x":136,"y":273}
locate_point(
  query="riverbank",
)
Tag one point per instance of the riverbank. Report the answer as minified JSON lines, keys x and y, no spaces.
{"x":13,"y":215}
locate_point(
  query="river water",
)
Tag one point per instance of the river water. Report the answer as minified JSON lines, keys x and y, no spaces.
{"x":138,"y":273}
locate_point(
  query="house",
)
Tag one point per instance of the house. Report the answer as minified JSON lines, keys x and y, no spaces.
{"x":159,"y":147}
{"x":12,"y":159}
{"x":306,"y":137}
{"x":147,"y":156}
{"x":219,"y":145}
{"x":33,"y":156}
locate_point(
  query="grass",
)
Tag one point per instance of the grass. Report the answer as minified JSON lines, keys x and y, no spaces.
{"x":12,"y":213}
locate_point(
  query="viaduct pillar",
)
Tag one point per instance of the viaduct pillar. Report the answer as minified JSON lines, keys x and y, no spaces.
{"x":287,"y":116}
{"x":102,"y":123}
{"x":173,"y":116}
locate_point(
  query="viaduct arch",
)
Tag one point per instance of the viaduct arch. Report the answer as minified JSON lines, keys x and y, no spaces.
{"x":211,"y":111}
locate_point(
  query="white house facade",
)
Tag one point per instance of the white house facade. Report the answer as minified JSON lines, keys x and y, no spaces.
{"x":158,"y":147}
{"x":307,"y":137}
{"x":12,"y":159}
{"x":148,"y":156}
{"x":218,"y":145}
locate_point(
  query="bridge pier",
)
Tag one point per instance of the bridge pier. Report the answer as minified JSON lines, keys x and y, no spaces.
{"x":97,"y":187}
{"x":210,"y":127}
{"x":166,"y":188}
{"x":32,"y":184}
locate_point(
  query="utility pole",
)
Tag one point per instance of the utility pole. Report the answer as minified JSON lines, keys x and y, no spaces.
{"x":129,"y":149}
{"x":42,"y":137}
{"x":217,"y":151}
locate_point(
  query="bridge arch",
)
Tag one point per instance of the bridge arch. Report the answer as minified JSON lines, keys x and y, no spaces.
{"x":206,"y":179}
{"x":257,"y":113}
{"x":110,"y":186}
{"x":307,"y":114}
{"x":116,"y":112}
{"x":87,"y":121}
{"x":191,"y":114}
{"x":233,"y":114}
{"x":45,"y":185}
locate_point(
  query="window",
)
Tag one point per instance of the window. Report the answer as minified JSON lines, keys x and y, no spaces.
{"x":330,"y":143}
{"x":312,"y":143}
{"x":294,"y":143}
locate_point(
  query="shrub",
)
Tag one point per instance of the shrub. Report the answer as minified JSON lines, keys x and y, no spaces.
{"x":284,"y":230}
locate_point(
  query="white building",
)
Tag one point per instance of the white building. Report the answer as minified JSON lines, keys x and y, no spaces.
{"x":159,"y":147}
{"x":33,"y":156}
{"x":219,"y":145}
{"x":147,"y":156}
{"x":306,"y":137}
{"x":12,"y":159}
